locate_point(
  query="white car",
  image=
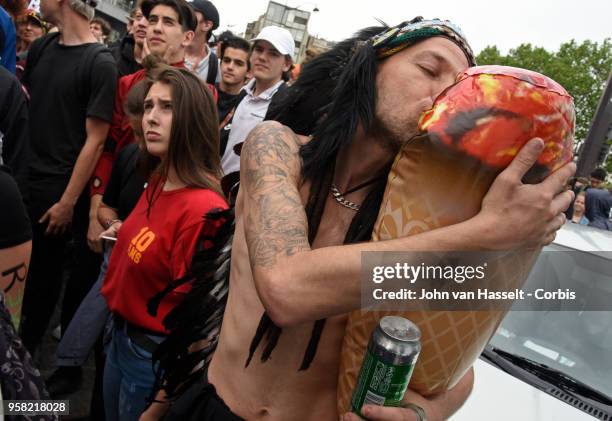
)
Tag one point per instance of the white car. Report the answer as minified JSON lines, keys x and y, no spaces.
{"x":557,"y":364}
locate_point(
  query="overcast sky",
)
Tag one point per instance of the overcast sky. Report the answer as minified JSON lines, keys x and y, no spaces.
{"x":505,"y":23}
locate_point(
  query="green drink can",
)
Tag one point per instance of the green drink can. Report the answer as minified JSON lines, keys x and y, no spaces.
{"x":388,"y":364}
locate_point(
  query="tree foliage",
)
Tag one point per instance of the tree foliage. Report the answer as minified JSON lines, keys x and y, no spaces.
{"x":582,"y":69}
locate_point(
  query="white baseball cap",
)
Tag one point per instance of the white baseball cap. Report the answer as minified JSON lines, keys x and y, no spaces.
{"x":279,"y":37}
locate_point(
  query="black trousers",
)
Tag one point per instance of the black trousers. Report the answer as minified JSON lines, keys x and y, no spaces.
{"x":202,"y":403}
{"x":51,"y":255}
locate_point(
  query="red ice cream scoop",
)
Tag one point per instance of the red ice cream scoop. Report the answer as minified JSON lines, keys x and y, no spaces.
{"x":492,"y":111}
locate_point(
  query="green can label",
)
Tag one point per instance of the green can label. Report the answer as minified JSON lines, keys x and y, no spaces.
{"x":380,"y":383}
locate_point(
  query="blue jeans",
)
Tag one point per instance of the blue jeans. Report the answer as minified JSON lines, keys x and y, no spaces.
{"x":128,"y":378}
{"x":87,"y":323}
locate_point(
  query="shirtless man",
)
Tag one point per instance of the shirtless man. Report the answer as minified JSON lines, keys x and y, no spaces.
{"x":276,"y":269}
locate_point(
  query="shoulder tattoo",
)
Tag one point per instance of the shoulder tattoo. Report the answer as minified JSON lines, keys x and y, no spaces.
{"x":276,"y":222}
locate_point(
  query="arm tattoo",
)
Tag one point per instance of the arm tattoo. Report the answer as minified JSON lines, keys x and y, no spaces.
{"x":19,"y":275}
{"x":276,"y":224}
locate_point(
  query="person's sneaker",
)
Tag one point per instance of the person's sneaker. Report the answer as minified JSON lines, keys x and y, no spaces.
{"x":64,"y":381}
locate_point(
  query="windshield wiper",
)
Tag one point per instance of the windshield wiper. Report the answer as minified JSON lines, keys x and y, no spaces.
{"x":553,"y":376}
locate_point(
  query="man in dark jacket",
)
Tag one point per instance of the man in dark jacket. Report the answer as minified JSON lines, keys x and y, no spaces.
{"x":128,"y":52}
{"x":598,"y":206}
{"x":235,"y":65}
{"x":14,"y":133}
{"x":199,"y":58}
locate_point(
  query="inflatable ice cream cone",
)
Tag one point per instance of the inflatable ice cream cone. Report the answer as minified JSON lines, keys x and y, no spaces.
{"x":473,"y":131}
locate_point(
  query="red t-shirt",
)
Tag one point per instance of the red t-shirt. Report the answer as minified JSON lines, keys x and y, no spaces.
{"x":153,"y":250}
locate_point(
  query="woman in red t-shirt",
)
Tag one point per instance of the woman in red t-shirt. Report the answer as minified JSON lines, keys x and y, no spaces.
{"x":157,"y":241}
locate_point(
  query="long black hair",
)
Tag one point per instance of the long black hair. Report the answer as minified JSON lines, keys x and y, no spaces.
{"x":334,"y":92}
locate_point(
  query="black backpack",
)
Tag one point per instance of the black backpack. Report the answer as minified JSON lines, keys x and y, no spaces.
{"x":213,"y":69}
{"x":85,"y":67}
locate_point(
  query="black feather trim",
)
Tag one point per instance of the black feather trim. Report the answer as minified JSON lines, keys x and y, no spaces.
{"x":354,"y":101}
{"x":313,"y":343}
{"x":308,"y":100}
{"x":264,"y":324}
{"x":199,"y":316}
{"x":272,"y":338}
{"x":153,"y":303}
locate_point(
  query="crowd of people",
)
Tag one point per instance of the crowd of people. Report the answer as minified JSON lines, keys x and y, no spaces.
{"x":593,"y":203}
{"x":130,"y":177}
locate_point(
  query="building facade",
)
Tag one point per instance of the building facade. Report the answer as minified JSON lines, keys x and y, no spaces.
{"x":116,"y":13}
{"x":291,"y":18}
{"x":320,"y":45}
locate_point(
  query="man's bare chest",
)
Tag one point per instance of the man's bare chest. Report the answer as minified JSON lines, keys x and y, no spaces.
{"x":334,"y":225}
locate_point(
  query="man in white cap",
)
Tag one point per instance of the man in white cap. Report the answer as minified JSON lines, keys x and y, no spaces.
{"x":198,"y":56}
{"x":271,"y":57}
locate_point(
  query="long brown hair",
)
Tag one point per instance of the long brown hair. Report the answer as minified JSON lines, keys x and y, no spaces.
{"x":193,"y":150}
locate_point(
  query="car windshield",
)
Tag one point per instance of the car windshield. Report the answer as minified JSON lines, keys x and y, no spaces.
{"x":578,"y":342}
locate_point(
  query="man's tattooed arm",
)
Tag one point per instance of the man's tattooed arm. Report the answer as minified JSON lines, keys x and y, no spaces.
{"x":275,"y":224}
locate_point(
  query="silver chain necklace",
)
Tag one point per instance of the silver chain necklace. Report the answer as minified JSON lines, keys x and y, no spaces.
{"x":340,"y":198}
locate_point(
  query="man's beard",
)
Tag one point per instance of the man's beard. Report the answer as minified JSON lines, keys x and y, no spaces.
{"x":389,"y":137}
